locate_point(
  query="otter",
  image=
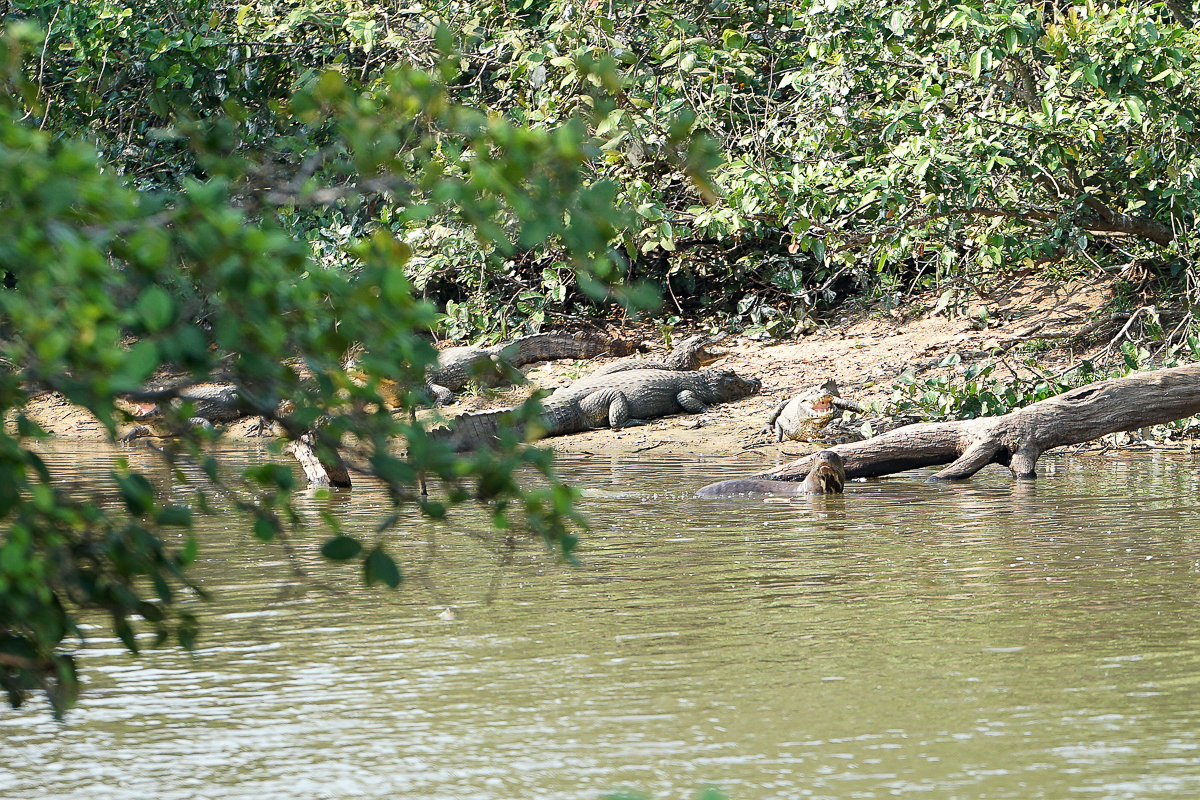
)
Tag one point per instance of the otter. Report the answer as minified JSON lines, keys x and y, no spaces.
{"x":827,"y":476}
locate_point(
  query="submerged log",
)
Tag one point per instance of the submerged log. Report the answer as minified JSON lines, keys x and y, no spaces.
{"x":1015,"y":440}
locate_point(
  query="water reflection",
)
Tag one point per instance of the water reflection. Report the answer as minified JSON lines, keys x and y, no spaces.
{"x":989,"y":639}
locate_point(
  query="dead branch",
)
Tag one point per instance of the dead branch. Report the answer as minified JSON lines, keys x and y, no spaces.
{"x":320,"y":472}
{"x":1079,"y":333}
{"x":1150,"y":312}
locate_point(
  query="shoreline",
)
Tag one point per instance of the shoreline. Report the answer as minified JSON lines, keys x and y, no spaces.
{"x":865,"y":352}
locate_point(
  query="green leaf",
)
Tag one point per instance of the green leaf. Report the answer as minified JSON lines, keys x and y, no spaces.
{"x":179,"y":516}
{"x":666,"y":236}
{"x":264,"y":529}
{"x":151,"y":612}
{"x":922,"y":167}
{"x":433,"y":509}
{"x":378,"y":566}
{"x":9,"y":497}
{"x":818,"y":249}
{"x":125,"y":634}
{"x":63,"y":692}
{"x":973,"y":371}
{"x":187,"y":631}
{"x":188,"y":554}
{"x":27,"y":428}
{"x":568,"y":542}
{"x":136,"y":491}
{"x":341,"y":548}
{"x":388,"y":522}
{"x":155,"y":309}
{"x":393,"y":470}
{"x":444,"y":39}
{"x":1134,"y":105}
{"x":140,"y":362}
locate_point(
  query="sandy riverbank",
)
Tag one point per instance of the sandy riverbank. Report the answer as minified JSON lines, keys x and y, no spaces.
{"x":864,"y":351}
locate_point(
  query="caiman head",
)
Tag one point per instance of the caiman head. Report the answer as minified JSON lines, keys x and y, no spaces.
{"x":726,"y":385}
{"x":696,"y":352}
{"x":828,"y":474}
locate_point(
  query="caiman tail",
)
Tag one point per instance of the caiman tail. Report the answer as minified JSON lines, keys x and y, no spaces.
{"x":553,"y":346}
{"x":483,"y":428}
{"x":492,"y":366}
{"x":475,"y":429}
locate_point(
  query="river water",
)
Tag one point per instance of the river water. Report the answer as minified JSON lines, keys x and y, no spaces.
{"x":978,"y":640}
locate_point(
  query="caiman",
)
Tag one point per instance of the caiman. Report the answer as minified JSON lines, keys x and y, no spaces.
{"x":458,"y":366}
{"x":211,"y":403}
{"x":617,"y":400}
{"x":803,"y":417}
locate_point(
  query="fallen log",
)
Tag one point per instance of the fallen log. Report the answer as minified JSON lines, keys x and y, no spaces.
{"x":1015,"y":440}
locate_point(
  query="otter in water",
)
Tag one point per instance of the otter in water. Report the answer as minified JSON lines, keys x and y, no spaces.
{"x":826,"y":476}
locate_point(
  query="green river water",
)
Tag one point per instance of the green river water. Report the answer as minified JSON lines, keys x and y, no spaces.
{"x":976,"y":640}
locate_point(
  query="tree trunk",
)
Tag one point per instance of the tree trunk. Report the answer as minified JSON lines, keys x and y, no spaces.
{"x":1016,"y":440}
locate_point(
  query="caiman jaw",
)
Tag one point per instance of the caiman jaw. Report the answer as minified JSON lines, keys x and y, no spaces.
{"x":822,"y":405}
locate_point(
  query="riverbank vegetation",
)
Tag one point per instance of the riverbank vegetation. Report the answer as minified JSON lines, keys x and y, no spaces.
{"x":256,"y":192}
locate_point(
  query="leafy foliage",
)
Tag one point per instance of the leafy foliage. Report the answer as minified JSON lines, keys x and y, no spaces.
{"x":976,"y":392}
{"x":112,"y":287}
{"x":980,"y":391}
{"x":846,"y":144}
{"x":864,"y":144}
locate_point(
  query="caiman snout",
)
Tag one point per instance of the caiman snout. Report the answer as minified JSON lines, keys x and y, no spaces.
{"x":731,"y":386}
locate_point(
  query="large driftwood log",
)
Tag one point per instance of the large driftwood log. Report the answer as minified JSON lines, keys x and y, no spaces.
{"x":1015,"y":440}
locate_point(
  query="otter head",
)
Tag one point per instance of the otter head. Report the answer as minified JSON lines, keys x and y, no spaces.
{"x":828,"y":474}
